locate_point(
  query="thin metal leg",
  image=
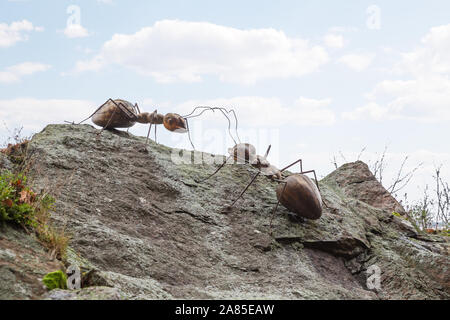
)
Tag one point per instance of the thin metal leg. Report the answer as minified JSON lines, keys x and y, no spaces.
{"x":315,"y":177}
{"x":218,"y":169}
{"x":294,"y":163}
{"x":137,"y":108}
{"x":96,"y":111}
{"x":107,"y":124}
{"x":242,"y":193}
{"x":148,"y":133}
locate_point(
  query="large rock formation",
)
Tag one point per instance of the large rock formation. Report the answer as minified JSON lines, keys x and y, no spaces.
{"x":151,"y":231}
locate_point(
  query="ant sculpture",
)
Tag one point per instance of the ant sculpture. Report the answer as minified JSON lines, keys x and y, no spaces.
{"x":123,"y":114}
{"x":296,"y":192}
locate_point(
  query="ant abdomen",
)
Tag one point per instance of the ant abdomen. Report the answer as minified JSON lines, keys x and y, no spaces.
{"x":300,"y":195}
{"x":110,"y":116}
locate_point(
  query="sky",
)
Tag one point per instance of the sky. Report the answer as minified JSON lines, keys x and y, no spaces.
{"x":317,"y":80}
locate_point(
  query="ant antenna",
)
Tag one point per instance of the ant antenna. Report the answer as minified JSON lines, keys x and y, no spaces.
{"x":189,"y":133}
{"x":236,"y":121}
{"x":268,"y":150}
{"x":229,"y":124}
{"x":224,"y":111}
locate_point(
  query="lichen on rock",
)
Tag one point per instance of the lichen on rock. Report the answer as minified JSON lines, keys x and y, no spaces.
{"x":152,"y":231}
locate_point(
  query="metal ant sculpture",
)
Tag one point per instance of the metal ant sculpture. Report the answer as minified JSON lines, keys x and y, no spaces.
{"x":123,"y":114}
{"x":296,"y":192}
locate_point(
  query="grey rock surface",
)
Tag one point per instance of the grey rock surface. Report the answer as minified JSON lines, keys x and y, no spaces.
{"x":152,"y":231}
{"x":23,"y":263}
{"x":90,"y":293}
{"x":4,"y":162}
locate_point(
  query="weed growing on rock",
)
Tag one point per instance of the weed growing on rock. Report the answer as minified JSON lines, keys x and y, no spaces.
{"x":20,"y":205}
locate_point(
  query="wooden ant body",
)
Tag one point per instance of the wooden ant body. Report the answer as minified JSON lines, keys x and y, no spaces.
{"x":123,"y":114}
{"x":296,"y":192}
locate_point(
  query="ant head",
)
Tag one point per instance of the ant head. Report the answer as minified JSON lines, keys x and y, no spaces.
{"x":260,"y":162}
{"x":175,"y":123}
{"x":272,"y":172}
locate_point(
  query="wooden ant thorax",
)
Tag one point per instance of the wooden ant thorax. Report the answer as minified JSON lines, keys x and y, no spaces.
{"x":153,"y":118}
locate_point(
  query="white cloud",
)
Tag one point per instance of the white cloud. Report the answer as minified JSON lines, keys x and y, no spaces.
{"x":424,"y":95}
{"x":173,"y":50}
{"x":371,"y":110}
{"x":334,"y":40}
{"x":34,"y":114}
{"x":432,"y":57}
{"x":15,"y":32}
{"x":357,"y":61}
{"x":14,"y":73}
{"x":270,"y":112}
{"x":105,"y":1}
{"x":75,"y":31}
{"x":341,"y":29}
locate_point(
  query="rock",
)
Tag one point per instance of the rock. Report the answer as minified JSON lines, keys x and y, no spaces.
{"x":5,"y":163}
{"x":23,"y":264}
{"x":151,"y":231}
{"x":405,"y":226}
{"x":356,"y":181}
{"x":91,"y":293}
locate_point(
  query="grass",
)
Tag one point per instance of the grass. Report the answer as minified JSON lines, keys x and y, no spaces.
{"x":21,"y":206}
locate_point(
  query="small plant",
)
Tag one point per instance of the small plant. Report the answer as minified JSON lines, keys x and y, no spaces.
{"x":21,"y":206}
{"x":16,"y":200}
{"x":55,"y":280}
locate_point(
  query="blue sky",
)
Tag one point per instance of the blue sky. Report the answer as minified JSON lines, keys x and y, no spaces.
{"x":314,"y":78}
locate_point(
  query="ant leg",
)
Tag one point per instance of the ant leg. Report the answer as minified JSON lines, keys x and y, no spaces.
{"x":220,"y":167}
{"x":107,"y":124}
{"x":96,"y":111}
{"x":315,"y":177}
{"x":276,"y":207}
{"x":317,"y":184}
{"x":148,"y":133}
{"x":294,"y":163}
{"x":242,"y":193}
{"x":136,"y":107}
{"x":155,"y":134}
